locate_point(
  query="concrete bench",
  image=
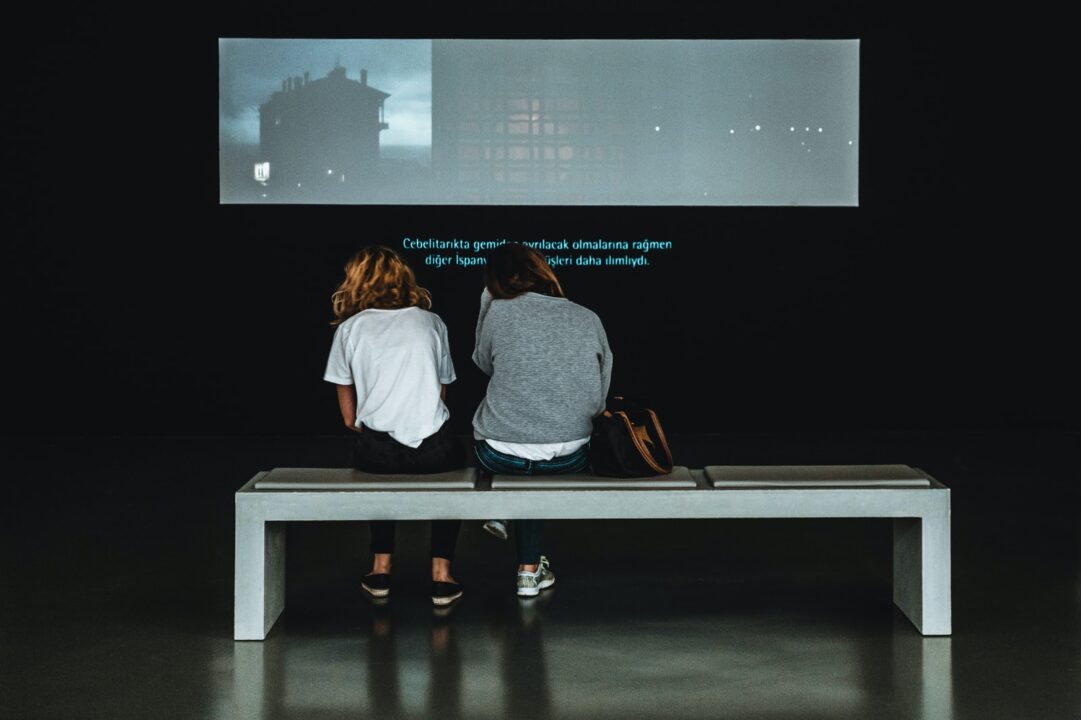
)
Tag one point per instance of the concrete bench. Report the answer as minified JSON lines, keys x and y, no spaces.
{"x":918,"y":504}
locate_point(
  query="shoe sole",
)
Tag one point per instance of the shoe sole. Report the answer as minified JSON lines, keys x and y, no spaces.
{"x":375,"y":593}
{"x":441,"y":601}
{"x":495,"y":533}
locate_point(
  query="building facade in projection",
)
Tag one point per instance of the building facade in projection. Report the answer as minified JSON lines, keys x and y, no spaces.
{"x":320,"y":138}
{"x":539,"y":122}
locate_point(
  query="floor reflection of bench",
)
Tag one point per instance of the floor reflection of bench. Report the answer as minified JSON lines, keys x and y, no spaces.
{"x":918,"y":504}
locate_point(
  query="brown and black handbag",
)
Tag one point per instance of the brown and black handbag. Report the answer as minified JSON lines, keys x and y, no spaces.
{"x":628,"y":441}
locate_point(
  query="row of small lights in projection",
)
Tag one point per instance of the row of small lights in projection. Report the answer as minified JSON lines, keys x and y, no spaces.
{"x":758,"y":128}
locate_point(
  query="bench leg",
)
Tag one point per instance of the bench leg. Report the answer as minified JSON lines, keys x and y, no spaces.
{"x":921,"y":572}
{"x":258,"y":576}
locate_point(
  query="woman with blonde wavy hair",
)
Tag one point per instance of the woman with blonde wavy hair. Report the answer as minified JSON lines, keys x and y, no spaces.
{"x":390,"y":359}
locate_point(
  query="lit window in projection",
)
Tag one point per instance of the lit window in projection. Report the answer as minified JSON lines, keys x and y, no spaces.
{"x":539,"y":122}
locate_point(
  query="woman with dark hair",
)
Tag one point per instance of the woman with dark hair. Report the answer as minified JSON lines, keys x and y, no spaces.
{"x":391,"y":362}
{"x":550,"y":368}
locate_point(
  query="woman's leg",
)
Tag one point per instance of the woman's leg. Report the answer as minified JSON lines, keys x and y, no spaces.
{"x":530,"y":533}
{"x":372,"y":455}
{"x":444,"y":539}
{"x":494,"y":463}
{"x":440,"y":452}
{"x":382,"y":544}
{"x":528,"y":536}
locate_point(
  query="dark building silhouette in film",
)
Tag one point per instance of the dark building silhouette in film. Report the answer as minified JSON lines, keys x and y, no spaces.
{"x":520,"y":122}
{"x":320,"y":138}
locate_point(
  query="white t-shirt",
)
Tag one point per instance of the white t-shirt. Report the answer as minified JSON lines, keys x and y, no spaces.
{"x":397,"y":359}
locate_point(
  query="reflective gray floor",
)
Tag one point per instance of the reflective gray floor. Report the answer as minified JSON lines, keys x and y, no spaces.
{"x":117,"y":603}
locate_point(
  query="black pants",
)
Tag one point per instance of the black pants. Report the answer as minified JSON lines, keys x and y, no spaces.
{"x":377,"y":452}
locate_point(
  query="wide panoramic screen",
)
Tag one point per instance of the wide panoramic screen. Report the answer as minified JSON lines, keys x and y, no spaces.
{"x":539,"y":122}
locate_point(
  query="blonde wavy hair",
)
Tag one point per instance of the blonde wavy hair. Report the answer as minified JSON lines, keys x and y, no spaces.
{"x":377,"y":277}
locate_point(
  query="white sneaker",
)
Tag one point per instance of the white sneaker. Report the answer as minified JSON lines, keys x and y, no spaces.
{"x":531,"y":583}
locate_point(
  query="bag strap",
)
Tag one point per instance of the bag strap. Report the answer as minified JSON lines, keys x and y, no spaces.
{"x":646,"y":454}
{"x":663,"y":439}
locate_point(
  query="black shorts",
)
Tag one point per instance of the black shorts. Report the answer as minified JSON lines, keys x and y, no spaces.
{"x":378,"y":452}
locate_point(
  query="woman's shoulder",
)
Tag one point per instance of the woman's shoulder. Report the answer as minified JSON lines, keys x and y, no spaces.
{"x":411,"y":315}
{"x":582,"y":311}
{"x":550,"y":308}
{"x":347,"y":326}
{"x":424,"y":319}
{"x":426,"y":315}
{"x":535,"y":302}
{"x":588,"y":320}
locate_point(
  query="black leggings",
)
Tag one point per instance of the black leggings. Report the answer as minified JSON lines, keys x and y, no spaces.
{"x":377,"y":452}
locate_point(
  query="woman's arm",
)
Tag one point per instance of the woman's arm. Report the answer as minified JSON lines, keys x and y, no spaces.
{"x":347,"y":402}
{"x":482,"y":350}
{"x":605,"y":363}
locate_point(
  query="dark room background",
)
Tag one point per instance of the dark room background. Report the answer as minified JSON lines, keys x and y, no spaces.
{"x":137,"y":304}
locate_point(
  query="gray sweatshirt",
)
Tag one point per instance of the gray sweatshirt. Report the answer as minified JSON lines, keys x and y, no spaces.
{"x":550,"y":367}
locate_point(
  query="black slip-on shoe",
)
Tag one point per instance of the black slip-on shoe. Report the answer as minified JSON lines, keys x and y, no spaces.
{"x":376,"y":584}
{"x":444,"y":593}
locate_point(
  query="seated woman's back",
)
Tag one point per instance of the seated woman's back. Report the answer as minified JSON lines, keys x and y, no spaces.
{"x":554,"y":368}
{"x":398,"y":360}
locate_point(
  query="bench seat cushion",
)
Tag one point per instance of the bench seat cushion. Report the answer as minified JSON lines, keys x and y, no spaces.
{"x":780,"y":476}
{"x":347,"y":479}
{"x":680,"y":477}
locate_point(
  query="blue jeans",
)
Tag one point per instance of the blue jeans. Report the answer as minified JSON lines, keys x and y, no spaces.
{"x":529,"y":534}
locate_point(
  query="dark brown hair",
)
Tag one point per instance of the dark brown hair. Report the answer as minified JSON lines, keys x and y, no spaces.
{"x":513,"y":269}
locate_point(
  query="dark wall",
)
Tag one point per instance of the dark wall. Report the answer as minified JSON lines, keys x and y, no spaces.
{"x":138,"y":304}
